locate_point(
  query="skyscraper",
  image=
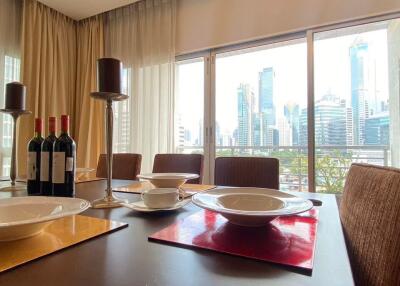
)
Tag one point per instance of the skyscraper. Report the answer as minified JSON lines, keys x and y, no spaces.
{"x":377,"y":129}
{"x":330,"y":121}
{"x":244,"y":97}
{"x":291,"y":111}
{"x":358,"y":66}
{"x":266,"y":95}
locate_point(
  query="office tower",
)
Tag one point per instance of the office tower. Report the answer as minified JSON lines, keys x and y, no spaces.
{"x":292,"y":114}
{"x":358,"y":66}
{"x":266,"y":95}
{"x":256,"y":129}
{"x":244,"y":97}
{"x":330,"y":121}
{"x":349,"y":126}
{"x":285,"y":132}
{"x":377,"y":129}
{"x":303,"y":133}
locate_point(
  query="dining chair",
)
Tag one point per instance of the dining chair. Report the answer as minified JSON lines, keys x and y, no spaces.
{"x":180,"y":163}
{"x":258,"y":172}
{"x":370,"y":215}
{"x":126,"y":166}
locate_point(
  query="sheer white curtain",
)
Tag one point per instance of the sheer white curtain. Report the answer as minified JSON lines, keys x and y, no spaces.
{"x":142,"y":35}
{"x":10,"y":33}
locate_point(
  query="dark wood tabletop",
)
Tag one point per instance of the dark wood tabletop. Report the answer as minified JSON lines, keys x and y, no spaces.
{"x":126,"y":257}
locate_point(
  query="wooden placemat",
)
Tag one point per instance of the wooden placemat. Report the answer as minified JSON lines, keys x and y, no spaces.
{"x":61,"y":234}
{"x":139,"y":187}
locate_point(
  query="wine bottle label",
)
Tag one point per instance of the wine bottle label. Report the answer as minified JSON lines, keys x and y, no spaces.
{"x":58,"y":170}
{"x":31,"y":169}
{"x":44,"y":166}
{"x":69,"y":164}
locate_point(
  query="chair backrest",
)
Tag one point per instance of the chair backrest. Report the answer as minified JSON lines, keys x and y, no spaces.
{"x":180,"y":163}
{"x":370,"y":215}
{"x":247,"y":172}
{"x":126,"y":166}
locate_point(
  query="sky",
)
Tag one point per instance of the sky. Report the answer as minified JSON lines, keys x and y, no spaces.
{"x":289,"y":61}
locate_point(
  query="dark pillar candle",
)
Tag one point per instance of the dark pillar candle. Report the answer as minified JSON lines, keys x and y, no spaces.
{"x":109,"y":73}
{"x":15,"y":96}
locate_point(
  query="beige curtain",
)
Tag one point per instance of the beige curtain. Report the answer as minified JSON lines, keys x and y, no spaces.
{"x":89,"y":113}
{"x":48,"y":68}
{"x":142,"y":35}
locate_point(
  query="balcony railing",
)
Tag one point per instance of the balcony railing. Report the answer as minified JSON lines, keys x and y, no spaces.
{"x":331,"y":162}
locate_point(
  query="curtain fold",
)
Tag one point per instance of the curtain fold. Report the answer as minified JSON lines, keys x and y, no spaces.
{"x":142,"y":35}
{"x":48,"y":68}
{"x":89,"y":113}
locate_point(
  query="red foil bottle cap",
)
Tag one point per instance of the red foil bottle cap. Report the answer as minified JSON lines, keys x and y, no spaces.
{"x":52,"y":124}
{"x":38,"y":125}
{"x":64,"y":123}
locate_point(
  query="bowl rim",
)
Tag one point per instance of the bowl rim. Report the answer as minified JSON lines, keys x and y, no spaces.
{"x":287,"y":199}
{"x":168,"y":176}
{"x":83,"y":205}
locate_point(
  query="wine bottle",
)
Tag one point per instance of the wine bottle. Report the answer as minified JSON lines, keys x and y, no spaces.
{"x":64,"y":156}
{"x":33,"y":166}
{"x":46,"y":159}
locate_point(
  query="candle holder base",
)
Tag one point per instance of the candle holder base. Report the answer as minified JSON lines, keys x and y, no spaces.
{"x":108,"y":202}
{"x":12,"y":188}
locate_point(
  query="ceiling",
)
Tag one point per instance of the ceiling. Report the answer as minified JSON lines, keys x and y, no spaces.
{"x":80,"y":9}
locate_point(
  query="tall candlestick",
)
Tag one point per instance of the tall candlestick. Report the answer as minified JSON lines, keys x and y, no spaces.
{"x":109,"y":83}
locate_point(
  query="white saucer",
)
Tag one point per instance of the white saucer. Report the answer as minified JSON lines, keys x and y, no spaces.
{"x":141,"y":207}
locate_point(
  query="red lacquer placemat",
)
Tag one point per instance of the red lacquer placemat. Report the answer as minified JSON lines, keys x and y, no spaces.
{"x":287,"y":240}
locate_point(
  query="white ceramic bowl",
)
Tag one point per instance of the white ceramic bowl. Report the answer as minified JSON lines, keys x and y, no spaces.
{"x":167,"y":180}
{"x":251,"y":206}
{"x":22,"y":217}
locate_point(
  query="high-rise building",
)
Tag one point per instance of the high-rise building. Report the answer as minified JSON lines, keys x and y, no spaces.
{"x":256,"y":129}
{"x":292,"y":114}
{"x":285,"y":132}
{"x":244,"y":97}
{"x":359,"y":71}
{"x":330,"y":121}
{"x":266,"y":96}
{"x":377,"y":129}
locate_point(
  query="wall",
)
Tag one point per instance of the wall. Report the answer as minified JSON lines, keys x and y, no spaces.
{"x":203,"y":24}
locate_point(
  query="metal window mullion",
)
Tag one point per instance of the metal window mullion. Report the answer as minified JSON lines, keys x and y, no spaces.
{"x":310,"y":111}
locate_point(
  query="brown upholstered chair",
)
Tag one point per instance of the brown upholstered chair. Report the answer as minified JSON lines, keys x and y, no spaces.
{"x":370,"y":215}
{"x":126,"y":166}
{"x":247,"y":172}
{"x":180,"y":163}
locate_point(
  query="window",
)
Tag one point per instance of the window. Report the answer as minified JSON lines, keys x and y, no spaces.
{"x":122,"y":119}
{"x":189,"y":106}
{"x":356,"y":75}
{"x":11,"y":68}
{"x":253,"y":102}
{"x":261,"y":107}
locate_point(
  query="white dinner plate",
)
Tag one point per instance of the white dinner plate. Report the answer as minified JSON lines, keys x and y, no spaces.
{"x":167,"y":180}
{"x":22,"y":217}
{"x":141,"y":207}
{"x":251,"y":206}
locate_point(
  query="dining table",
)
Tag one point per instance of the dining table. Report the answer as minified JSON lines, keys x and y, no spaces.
{"x":127,"y":257}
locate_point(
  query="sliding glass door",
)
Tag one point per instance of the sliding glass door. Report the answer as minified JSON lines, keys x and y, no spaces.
{"x":261,"y":106}
{"x":356,"y":106}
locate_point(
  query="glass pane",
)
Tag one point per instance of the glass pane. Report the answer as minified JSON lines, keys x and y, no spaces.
{"x":122,"y":117}
{"x":11,"y":73}
{"x":189,"y":106}
{"x":261,"y":107}
{"x":356,"y":100}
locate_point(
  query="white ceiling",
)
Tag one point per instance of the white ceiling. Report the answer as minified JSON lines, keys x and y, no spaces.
{"x":80,"y":9}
